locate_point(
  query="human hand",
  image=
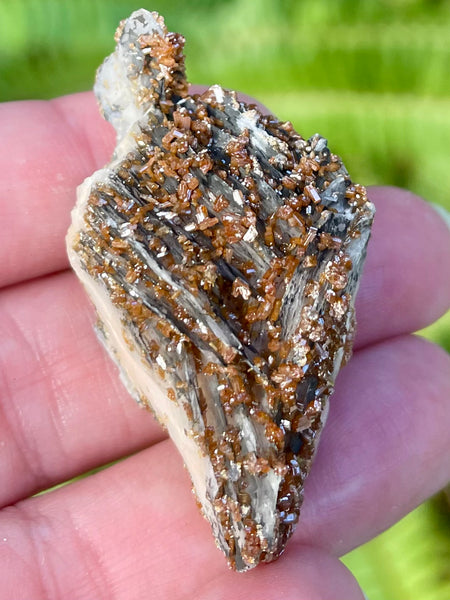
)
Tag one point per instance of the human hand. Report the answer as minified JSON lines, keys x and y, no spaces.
{"x":133,"y":531}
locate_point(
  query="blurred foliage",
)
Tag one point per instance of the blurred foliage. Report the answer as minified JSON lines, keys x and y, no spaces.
{"x":372,"y":76}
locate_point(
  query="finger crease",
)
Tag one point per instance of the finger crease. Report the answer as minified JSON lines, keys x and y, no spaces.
{"x":66,"y":561}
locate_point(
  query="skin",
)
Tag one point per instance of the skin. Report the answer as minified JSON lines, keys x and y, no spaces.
{"x":133,"y":530}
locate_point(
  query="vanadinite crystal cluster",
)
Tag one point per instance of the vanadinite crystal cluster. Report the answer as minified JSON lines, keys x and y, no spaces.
{"x":222,"y":252}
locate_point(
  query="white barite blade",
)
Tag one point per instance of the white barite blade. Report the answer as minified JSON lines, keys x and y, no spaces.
{"x":222,"y":252}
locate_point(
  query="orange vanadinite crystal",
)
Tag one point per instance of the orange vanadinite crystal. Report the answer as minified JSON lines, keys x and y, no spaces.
{"x":230,"y":250}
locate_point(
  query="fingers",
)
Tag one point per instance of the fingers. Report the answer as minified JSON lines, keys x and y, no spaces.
{"x":383,"y":451}
{"x":405,"y":284}
{"x":132,"y":531}
{"x":63,"y":408}
{"x":402,"y":290}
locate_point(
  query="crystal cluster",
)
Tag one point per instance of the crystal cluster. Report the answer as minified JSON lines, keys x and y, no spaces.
{"x":222,"y":252}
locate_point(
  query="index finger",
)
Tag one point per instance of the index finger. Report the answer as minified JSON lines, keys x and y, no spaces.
{"x":48,"y":148}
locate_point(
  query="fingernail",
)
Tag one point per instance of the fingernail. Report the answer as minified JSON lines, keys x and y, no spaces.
{"x":442,"y":212}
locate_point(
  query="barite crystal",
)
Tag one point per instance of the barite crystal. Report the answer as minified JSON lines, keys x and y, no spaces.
{"x":222,"y":252}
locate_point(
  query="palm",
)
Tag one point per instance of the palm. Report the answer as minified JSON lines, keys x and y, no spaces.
{"x":133,"y":531}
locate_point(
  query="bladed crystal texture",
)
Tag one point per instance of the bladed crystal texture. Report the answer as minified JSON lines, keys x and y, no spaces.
{"x":222,"y":252}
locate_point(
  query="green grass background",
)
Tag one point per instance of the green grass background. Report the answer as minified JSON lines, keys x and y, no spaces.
{"x":373,"y":76}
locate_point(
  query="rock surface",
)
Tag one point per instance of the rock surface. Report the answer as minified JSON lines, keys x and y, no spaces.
{"x":222,"y":252}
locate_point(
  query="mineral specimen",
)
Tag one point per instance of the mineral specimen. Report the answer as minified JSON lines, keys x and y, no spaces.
{"x":222,"y":252}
